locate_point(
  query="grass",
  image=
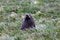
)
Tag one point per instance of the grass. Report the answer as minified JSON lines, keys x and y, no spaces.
{"x":46,"y":14}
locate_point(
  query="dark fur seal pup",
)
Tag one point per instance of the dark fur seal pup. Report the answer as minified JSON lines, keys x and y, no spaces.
{"x":28,"y":22}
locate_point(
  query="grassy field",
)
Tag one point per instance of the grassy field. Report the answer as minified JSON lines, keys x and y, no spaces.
{"x":46,"y":14}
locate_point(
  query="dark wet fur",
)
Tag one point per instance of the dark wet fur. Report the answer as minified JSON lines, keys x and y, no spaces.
{"x":28,"y":22}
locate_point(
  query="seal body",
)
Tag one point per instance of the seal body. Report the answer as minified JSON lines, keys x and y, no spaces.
{"x":28,"y":22}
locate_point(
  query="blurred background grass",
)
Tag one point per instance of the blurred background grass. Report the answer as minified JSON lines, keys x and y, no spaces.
{"x":46,"y":14}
